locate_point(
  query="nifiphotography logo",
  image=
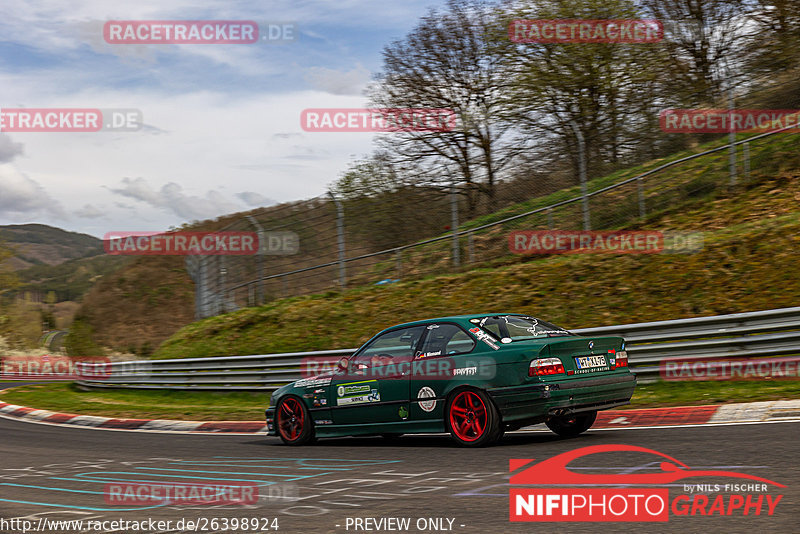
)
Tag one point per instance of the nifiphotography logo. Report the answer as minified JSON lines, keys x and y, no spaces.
{"x":545,"y":494}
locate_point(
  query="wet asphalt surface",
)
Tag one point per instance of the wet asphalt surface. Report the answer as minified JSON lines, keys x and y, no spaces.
{"x":59,"y":472}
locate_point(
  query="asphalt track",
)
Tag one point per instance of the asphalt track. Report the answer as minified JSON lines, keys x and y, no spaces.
{"x":58,"y":472}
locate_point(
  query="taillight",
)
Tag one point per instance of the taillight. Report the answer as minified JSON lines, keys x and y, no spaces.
{"x":545,"y":367}
{"x":622,"y":358}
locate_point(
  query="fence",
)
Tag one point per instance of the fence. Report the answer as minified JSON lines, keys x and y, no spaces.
{"x":335,"y":251}
{"x":740,"y":335}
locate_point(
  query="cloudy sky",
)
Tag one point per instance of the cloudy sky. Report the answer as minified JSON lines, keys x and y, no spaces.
{"x":221,"y":121}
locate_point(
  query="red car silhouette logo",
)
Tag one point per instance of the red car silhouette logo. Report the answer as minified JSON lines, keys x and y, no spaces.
{"x":554,"y":470}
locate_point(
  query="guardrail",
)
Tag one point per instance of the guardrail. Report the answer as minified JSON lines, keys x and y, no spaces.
{"x":739,"y":335}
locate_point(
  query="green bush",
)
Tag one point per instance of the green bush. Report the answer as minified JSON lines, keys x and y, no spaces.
{"x":79,"y":340}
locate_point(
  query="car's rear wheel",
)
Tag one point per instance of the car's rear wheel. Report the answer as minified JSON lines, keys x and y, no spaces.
{"x":472,"y":418}
{"x":569,"y":426}
{"x":294,"y":422}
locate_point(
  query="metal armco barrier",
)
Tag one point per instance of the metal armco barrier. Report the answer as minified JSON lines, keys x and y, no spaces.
{"x":739,"y":335}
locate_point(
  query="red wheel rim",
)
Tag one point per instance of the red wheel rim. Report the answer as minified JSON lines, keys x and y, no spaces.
{"x":468,"y":416}
{"x":290,"y":419}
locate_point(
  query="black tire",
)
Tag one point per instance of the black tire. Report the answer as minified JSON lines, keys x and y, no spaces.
{"x":293,"y":421}
{"x":569,"y":426}
{"x":472,"y":418}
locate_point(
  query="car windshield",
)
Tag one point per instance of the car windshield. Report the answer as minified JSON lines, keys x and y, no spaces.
{"x":519,"y":327}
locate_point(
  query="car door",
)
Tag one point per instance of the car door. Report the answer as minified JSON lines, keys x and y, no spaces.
{"x":376,"y":384}
{"x":440,"y":358}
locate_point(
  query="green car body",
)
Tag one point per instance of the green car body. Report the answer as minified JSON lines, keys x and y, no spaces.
{"x":468,"y":375}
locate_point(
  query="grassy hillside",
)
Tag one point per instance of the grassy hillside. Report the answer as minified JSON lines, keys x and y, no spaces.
{"x":135,"y":308}
{"x":749,"y":263}
{"x":769,"y":158}
{"x":691,"y":190}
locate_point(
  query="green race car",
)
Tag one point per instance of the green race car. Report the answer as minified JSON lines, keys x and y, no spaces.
{"x":474,"y":376}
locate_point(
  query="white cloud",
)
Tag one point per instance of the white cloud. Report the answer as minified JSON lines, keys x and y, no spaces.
{"x":337,"y":82}
{"x":171,"y":197}
{"x":227,"y":117}
{"x":89,"y":212}
{"x":254,"y":199}
{"x":9,"y":149}
{"x":22,"y":197}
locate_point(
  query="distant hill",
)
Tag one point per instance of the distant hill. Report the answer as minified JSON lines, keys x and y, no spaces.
{"x":53,"y":270}
{"x":69,"y":280}
{"x":39,"y":244}
{"x":51,"y":262}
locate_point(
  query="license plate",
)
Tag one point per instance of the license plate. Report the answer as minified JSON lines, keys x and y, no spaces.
{"x":587,"y":362}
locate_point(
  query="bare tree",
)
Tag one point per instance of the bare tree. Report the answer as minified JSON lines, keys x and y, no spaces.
{"x":705,"y":39}
{"x":774,"y":42}
{"x":448,"y":61}
{"x":605,"y":90}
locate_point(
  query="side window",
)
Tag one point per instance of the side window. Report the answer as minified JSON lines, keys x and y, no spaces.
{"x":392,"y":347}
{"x":445,"y":339}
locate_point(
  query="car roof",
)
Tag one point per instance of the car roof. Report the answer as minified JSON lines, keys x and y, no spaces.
{"x":455,"y":318}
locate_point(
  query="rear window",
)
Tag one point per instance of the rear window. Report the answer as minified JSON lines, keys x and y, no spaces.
{"x":519,"y":327}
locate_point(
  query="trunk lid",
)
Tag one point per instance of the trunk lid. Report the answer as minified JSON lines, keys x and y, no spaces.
{"x":583,"y":356}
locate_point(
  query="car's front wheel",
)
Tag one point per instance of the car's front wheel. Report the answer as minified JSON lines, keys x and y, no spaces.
{"x":294,"y":422}
{"x":472,"y":418}
{"x":569,"y":426}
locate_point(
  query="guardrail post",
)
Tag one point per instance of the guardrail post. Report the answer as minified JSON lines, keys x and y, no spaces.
{"x":746,"y":158}
{"x":221,"y":296}
{"x":640,"y":192}
{"x":398,"y":260}
{"x":471,"y":246}
{"x":587,"y":225}
{"x":454,"y":224}
{"x":259,"y":258}
{"x":340,"y":239}
{"x":550,"y":218}
{"x":195,"y":268}
{"x":731,"y":139}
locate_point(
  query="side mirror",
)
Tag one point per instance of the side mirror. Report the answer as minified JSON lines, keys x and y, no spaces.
{"x":344,"y":363}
